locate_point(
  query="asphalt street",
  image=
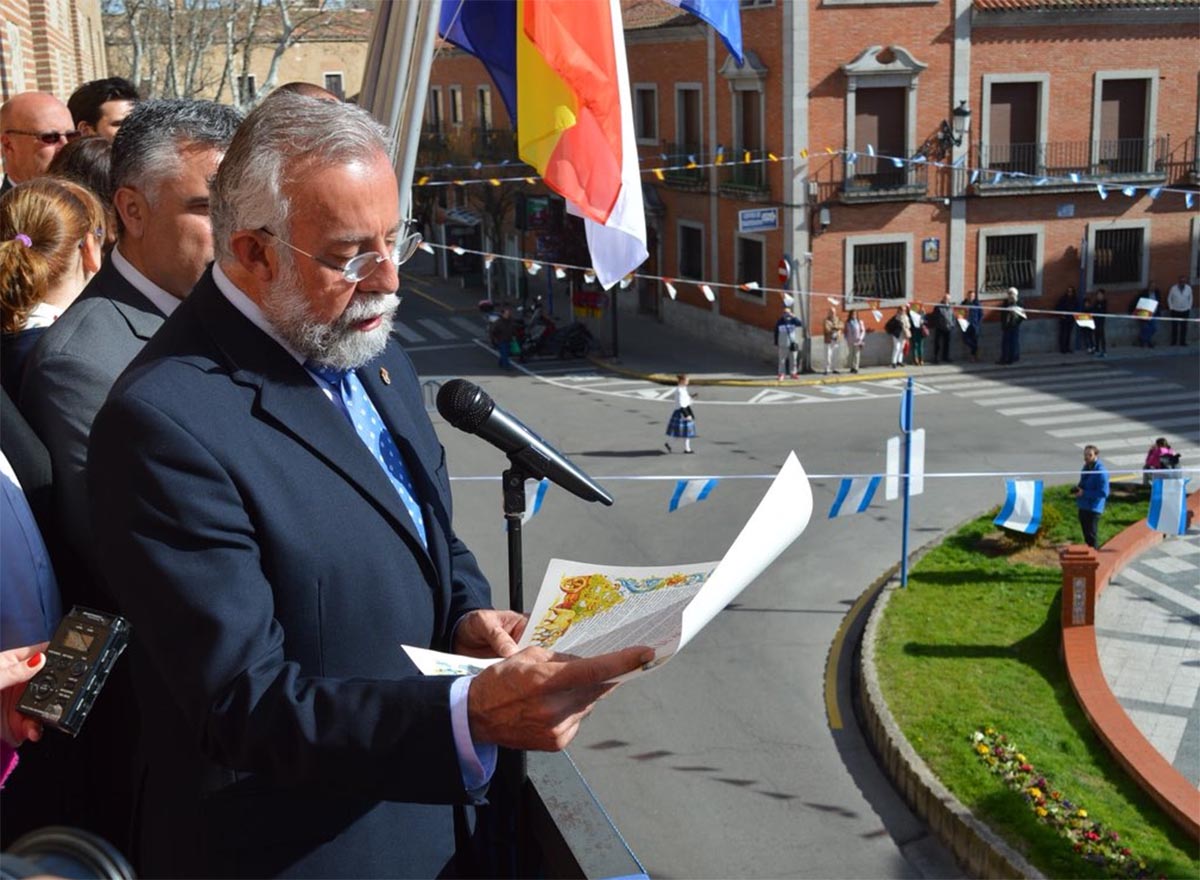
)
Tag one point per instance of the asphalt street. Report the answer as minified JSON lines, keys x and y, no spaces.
{"x":724,"y":762}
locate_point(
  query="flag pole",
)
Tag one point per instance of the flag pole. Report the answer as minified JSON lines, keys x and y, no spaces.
{"x":906,"y":414}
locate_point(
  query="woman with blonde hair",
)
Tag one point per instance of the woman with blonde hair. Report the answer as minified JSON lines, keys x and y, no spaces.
{"x":51,"y":231}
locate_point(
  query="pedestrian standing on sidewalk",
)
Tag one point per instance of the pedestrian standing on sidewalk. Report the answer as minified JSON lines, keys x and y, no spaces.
{"x":1090,"y":494}
{"x":919,"y":320}
{"x":1010,"y":328}
{"x":899,"y":329}
{"x":788,"y":343}
{"x":1179,"y":304}
{"x":943,"y":324}
{"x":974,"y":324}
{"x":683,"y":421}
{"x":1066,"y":319}
{"x":502,"y":337}
{"x":856,"y":337}
{"x":1089,"y":333}
{"x":1099,"y":313}
{"x":1149,"y":324}
{"x":833,"y":340}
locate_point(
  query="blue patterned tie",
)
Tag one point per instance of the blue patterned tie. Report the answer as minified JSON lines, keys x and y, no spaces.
{"x":375,"y":435}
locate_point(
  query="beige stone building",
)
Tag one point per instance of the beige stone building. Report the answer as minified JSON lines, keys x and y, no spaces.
{"x":50,"y":46}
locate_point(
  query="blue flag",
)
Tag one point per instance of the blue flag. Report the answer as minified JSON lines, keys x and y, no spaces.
{"x":1168,"y":510}
{"x":854,"y":496}
{"x":1022,"y":511}
{"x":725,"y":17}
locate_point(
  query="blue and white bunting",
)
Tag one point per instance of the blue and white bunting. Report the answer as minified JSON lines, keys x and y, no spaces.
{"x":1074,"y":177}
{"x":535,"y":494}
{"x":1022,"y":511}
{"x":1102,"y":191}
{"x":1155,"y":192}
{"x":871,"y":150}
{"x":689,"y":492}
{"x":1188,"y":200}
{"x":1129,"y":191}
{"x":1168,"y":510}
{"x":974,"y":175}
{"x":854,"y":495}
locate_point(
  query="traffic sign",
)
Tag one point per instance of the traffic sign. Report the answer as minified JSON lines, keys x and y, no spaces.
{"x":785,"y":271}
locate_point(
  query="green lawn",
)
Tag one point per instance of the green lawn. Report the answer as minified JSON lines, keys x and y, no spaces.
{"x":974,"y":641}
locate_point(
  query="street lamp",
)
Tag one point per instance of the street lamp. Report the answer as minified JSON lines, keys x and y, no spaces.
{"x":951,"y":134}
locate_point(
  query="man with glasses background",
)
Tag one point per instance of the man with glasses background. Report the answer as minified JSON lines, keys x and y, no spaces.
{"x":34,"y":126}
{"x":273,"y":513}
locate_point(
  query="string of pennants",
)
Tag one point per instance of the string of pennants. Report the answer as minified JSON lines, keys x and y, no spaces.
{"x":976,"y":174}
{"x":1021,"y":511}
{"x":708,"y":288}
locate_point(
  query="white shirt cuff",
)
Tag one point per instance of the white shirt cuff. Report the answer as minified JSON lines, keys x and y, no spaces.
{"x":477,"y":763}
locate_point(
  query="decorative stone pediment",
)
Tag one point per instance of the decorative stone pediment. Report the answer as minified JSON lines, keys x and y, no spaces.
{"x":884,"y":61}
{"x":749,"y":76}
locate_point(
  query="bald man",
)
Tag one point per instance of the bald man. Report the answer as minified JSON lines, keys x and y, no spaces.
{"x":34,"y":126}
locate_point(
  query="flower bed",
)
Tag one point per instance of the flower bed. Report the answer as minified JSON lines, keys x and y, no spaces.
{"x":1088,"y":837}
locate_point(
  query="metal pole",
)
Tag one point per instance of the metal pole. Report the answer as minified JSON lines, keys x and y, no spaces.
{"x":511,"y":764}
{"x":906,"y":415}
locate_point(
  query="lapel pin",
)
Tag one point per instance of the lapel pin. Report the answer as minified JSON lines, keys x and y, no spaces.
{"x":385,"y":376}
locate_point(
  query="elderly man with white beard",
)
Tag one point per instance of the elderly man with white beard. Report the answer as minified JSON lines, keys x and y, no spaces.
{"x":273,"y":513}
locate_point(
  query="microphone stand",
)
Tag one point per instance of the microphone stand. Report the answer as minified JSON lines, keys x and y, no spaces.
{"x":511,"y":765}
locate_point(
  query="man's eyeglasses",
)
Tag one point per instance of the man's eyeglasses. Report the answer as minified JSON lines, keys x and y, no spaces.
{"x":47,"y":137}
{"x":359,"y":267}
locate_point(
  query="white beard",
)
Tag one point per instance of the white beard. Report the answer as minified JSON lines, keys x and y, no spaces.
{"x":337,"y":345}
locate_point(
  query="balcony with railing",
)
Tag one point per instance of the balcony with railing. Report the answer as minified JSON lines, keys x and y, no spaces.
{"x":682,"y":177}
{"x":744,"y":179}
{"x":1069,"y":165}
{"x":872,"y":179}
{"x":494,"y":143}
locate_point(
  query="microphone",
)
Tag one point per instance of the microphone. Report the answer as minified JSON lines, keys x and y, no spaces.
{"x":469,"y":408}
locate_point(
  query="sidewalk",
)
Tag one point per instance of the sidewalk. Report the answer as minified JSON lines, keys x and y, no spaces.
{"x":1148,"y":638}
{"x":655,"y":352}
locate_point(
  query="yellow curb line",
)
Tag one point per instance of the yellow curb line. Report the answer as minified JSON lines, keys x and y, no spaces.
{"x":835,"y":648}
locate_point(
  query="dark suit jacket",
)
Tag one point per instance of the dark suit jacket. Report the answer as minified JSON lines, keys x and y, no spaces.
{"x":69,"y":375}
{"x":271,"y":574}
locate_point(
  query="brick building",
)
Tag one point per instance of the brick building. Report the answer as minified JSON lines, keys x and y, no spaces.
{"x":1061,"y":94}
{"x":50,"y":46}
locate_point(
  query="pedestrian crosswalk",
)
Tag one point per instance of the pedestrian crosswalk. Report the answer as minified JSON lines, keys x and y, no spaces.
{"x":416,"y":333}
{"x":1118,"y":410}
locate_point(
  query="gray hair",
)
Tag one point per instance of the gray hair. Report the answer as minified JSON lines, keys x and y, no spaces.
{"x":147,"y":149}
{"x":285,"y":134}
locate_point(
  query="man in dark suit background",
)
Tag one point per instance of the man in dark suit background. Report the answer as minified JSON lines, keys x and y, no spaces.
{"x":34,"y":126}
{"x":273,"y":513}
{"x":162,"y":161}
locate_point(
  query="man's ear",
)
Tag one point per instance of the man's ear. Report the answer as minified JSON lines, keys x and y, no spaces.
{"x":86,"y":128}
{"x":254,"y":255}
{"x":134,"y":211}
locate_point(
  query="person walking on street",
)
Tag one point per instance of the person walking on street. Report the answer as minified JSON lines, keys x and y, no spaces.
{"x":919,"y":320}
{"x":788,"y":343}
{"x":502,"y":337}
{"x":943,"y":324}
{"x":1099,"y":313}
{"x":683,"y":420}
{"x":1066,"y":319}
{"x":899,"y":328}
{"x":833,"y":340}
{"x":1179,"y":304}
{"x":1010,"y":329}
{"x":974,"y":324}
{"x":1088,"y":333}
{"x":856,"y":337}
{"x":1091,"y":494}
{"x":1149,"y":323}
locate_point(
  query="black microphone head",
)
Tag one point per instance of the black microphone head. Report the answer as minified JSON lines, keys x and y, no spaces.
{"x":464,"y":404}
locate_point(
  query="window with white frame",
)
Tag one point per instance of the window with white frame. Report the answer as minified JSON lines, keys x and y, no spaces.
{"x":433,"y":111}
{"x":1013,"y":129}
{"x":1119,"y":255}
{"x":456,"y":105}
{"x":691,"y":249}
{"x":645,"y":113}
{"x":334,"y":83}
{"x":1124,"y":104}
{"x":879,"y":267}
{"x":1010,"y":256}
{"x":751,"y":268}
{"x":247,"y":87}
{"x":483,"y":97}
{"x":689,"y":120}
{"x":881,"y":112}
